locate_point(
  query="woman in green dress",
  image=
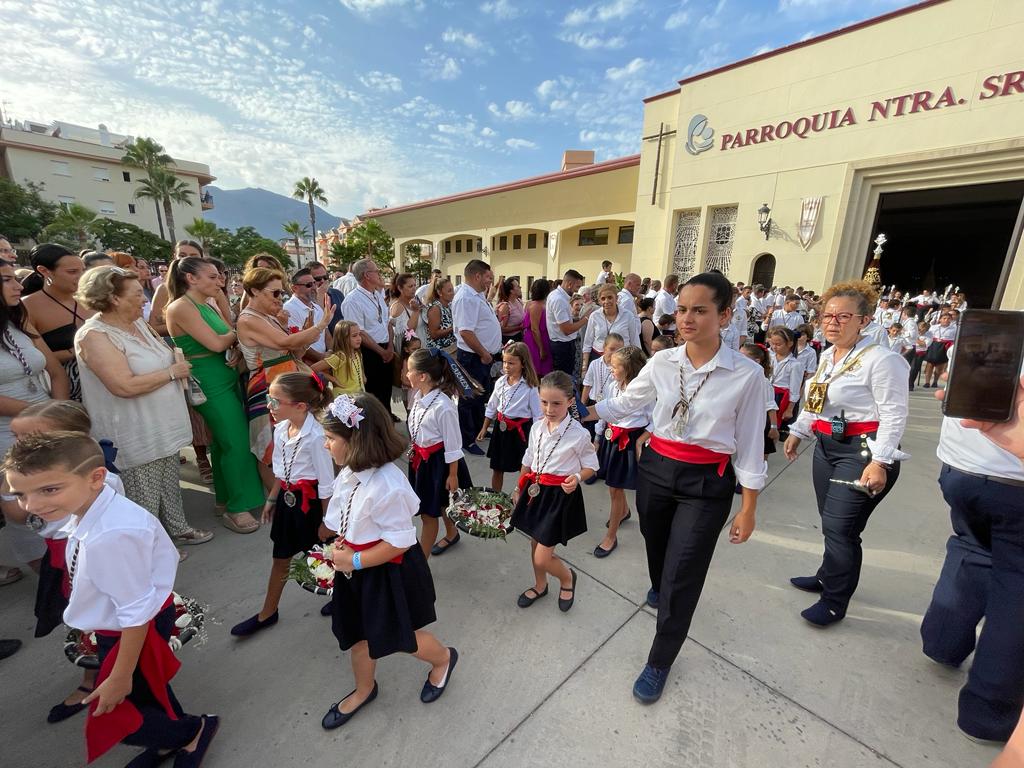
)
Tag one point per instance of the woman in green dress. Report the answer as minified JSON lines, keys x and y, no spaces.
{"x":204,"y":336}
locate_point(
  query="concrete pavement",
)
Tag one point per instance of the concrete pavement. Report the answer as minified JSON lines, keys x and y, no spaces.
{"x":754,"y":686}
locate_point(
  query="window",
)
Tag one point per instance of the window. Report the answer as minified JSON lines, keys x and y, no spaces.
{"x":480,"y":245}
{"x":545,"y":239}
{"x":447,"y":246}
{"x":722,"y":231}
{"x":469,"y":246}
{"x":107,"y":208}
{"x":60,"y":168}
{"x":503,"y":243}
{"x":594,"y":236}
{"x":529,"y":284}
{"x":458,"y":246}
{"x":64,"y":201}
{"x":458,"y":280}
{"x":126,"y":175}
{"x":517,"y":242}
{"x":492,"y":243}
{"x":100,"y":174}
{"x":625,"y":235}
{"x":131,"y":207}
{"x":531,"y":240}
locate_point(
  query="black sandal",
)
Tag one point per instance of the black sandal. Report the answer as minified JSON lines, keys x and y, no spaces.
{"x":525,"y":601}
{"x":438,"y":550}
{"x":629,"y":514}
{"x":62,"y":711}
{"x":565,"y":604}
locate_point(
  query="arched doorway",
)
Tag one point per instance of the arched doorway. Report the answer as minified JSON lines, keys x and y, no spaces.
{"x":764,"y":270}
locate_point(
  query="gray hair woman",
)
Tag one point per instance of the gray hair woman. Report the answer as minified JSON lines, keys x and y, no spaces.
{"x":133,"y":389}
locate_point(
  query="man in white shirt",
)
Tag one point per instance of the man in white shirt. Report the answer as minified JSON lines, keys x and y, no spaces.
{"x":478,"y":337}
{"x":562,"y":329}
{"x":665,"y":302}
{"x":304,"y":311}
{"x":630,"y":290}
{"x":605,"y":275}
{"x":652,"y":292}
{"x":743,"y":301}
{"x":366,"y":307}
{"x":347,"y":282}
{"x":787,"y":316}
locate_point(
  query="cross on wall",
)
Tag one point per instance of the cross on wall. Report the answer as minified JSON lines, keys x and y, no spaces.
{"x":661,"y":135}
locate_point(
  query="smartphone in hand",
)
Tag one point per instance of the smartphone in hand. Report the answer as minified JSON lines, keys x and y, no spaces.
{"x":985,"y":366}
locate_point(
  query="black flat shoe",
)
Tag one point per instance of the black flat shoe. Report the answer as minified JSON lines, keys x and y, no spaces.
{"x":151,"y":758}
{"x":194,"y":758}
{"x":629,"y":514}
{"x":601,"y":552}
{"x":807,"y":583}
{"x":252,"y":625}
{"x":437,"y":550}
{"x":336,"y":718}
{"x":63,"y":711}
{"x":431,"y":692}
{"x":327,"y":608}
{"x":565,"y":605}
{"x":525,"y":601}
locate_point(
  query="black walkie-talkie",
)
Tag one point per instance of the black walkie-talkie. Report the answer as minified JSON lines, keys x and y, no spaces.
{"x":839,"y":426}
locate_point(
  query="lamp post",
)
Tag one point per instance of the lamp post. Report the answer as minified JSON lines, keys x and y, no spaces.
{"x":764,"y":219}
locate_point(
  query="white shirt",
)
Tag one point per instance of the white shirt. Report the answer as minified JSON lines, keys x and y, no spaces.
{"x":369,"y":311}
{"x":665,"y":304}
{"x":602,"y":278}
{"x":791,"y":320}
{"x":874,"y":389}
{"x":728,"y":415}
{"x":787,"y":373}
{"x":940,"y":333}
{"x":598,"y":377}
{"x":779,"y":300}
{"x":516,"y":401}
{"x":922,"y":341}
{"x":742,"y":304}
{"x":627,"y":302}
{"x":559,"y":311}
{"x":573,"y":453}
{"x":809,"y":357}
{"x":769,"y":394}
{"x":638,"y":418}
{"x":346,"y":284}
{"x":471,"y":312}
{"x":306,"y":453}
{"x":421,"y":293}
{"x":299,"y":315}
{"x":435,"y":419}
{"x":598,"y":327}
{"x":876,"y":334}
{"x":125,"y":565}
{"x":382,"y":510}
{"x":652,"y":294}
{"x":735,"y":330}
{"x":971,"y":451}
{"x":761,"y":305}
{"x":886,"y":317}
{"x":922,"y":299}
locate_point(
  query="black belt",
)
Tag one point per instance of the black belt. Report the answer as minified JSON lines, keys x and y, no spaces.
{"x":993,"y":478}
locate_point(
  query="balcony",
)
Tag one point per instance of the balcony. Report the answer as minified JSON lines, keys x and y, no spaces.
{"x":206,"y":201}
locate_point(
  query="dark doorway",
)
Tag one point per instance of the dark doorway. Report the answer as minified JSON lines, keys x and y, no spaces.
{"x":951,"y":235}
{"x":764,"y":270}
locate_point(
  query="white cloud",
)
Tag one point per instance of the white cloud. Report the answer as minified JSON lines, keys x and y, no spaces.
{"x":309,"y":33}
{"x":519,"y":144}
{"x":554,"y":88}
{"x":438,"y":65}
{"x":465,"y":39}
{"x":677,"y":19}
{"x":514,"y":110}
{"x":600,"y":13}
{"x":501,"y":9}
{"x":616,"y":74}
{"x":369,"y":6}
{"x":486,"y":131}
{"x":589,"y":42}
{"x":762,"y":49}
{"x":708,"y":57}
{"x":381,"y":81}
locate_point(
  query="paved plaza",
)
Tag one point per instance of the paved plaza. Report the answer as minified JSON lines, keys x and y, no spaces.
{"x":755,"y":685}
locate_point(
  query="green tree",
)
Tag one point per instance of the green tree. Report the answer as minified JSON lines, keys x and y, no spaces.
{"x":309,"y":189}
{"x":414,"y":263}
{"x":163,"y":186}
{"x":235,"y":248}
{"x":296,"y":231}
{"x":147,"y":154}
{"x":371,"y":240}
{"x":122,"y":236}
{"x":339,"y":253}
{"x":24,"y":214}
{"x":72,"y":226}
{"x":201,"y":229}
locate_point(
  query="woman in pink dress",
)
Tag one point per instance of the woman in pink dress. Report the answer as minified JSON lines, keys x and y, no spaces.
{"x":535,"y":333}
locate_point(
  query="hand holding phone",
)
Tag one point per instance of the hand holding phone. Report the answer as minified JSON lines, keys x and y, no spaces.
{"x":985,"y":366}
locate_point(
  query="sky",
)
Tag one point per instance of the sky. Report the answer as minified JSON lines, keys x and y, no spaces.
{"x":385,"y":102}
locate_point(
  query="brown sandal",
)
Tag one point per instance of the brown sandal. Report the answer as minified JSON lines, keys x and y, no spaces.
{"x":232,"y":524}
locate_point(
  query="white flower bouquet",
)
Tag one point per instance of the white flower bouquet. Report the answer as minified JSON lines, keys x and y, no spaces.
{"x":481,"y":512}
{"x":314,"y":571}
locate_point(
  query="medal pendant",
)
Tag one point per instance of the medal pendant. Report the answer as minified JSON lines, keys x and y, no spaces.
{"x":533,"y":490}
{"x":35,"y":523}
{"x":502,"y":426}
{"x":816,"y":394}
{"x":32,"y":386}
{"x":289,"y":498}
{"x":608,"y":434}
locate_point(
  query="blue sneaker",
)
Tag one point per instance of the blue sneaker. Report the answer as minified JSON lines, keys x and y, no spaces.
{"x":652,"y":598}
{"x":648,"y":687}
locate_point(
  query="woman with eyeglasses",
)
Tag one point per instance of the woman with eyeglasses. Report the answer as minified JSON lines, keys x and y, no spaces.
{"x":856,"y":405}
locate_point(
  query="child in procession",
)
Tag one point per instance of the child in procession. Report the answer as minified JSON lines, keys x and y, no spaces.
{"x":383,"y":592}
{"x":303,"y":475}
{"x":549,"y":504}
{"x":513,"y":407}
{"x":787,"y":375}
{"x":759,"y":355}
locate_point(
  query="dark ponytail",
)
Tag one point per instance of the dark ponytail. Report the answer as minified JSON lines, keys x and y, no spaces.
{"x":309,"y":388}
{"x":46,"y":255}
{"x":439,"y":368}
{"x":719,"y":285}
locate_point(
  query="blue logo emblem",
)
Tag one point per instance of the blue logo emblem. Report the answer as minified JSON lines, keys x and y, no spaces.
{"x":699,"y":135}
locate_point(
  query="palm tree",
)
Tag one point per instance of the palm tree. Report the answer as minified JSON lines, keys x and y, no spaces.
{"x":296,"y":230}
{"x":150,"y":156}
{"x":164,"y":187}
{"x":73,"y":220}
{"x":309,"y":189}
{"x":201,"y":229}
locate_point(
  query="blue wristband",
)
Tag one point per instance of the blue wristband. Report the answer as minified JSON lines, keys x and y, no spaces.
{"x":357,"y":561}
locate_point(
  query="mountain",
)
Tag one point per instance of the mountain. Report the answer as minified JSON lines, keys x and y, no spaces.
{"x":264,"y":210}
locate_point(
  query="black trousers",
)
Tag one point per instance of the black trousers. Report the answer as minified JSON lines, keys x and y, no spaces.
{"x":563,"y":357}
{"x":682,"y":508}
{"x":915,"y":361}
{"x":158,"y":730}
{"x":844,"y":513}
{"x":379,"y":375}
{"x":471,"y":409}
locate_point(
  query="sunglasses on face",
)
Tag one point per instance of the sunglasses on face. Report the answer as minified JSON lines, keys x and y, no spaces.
{"x":320,"y":279}
{"x":273,"y":403}
{"x":303,"y":285}
{"x":276,"y":294}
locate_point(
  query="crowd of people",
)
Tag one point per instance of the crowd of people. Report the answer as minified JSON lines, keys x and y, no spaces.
{"x":290,"y":386}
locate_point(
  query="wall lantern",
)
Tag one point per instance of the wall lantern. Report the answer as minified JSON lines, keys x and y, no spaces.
{"x":764,"y":219}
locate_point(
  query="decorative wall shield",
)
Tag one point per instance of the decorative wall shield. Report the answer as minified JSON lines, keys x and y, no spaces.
{"x":808,"y":220}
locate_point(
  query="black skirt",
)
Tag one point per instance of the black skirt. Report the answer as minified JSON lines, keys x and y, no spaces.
{"x":428,"y":482}
{"x":936,"y":353}
{"x":769,"y":444}
{"x":619,"y":468}
{"x":506,"y":448}
{"x":293,"y":530}
{"x":384,"y":605}
{"x":50,"y":600}
{"x":551,"y":518}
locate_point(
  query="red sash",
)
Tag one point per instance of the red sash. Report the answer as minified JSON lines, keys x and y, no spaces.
{"x":58,"y":549}
{"x":516,"y":424}
{"x":307,"y":488}
{"x":544,"y":479}
{"x":621,"y":435}
{"x":783,"y":403}
{"x":397,"y":559}
{"x":946,"y":343}
{"x":853,"y":428}
{"x":421,"y":454}
{"x":691,"y":454}
{"x":158,"y":665}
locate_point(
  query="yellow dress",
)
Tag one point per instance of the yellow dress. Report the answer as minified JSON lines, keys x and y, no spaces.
{"x":349,"y":376}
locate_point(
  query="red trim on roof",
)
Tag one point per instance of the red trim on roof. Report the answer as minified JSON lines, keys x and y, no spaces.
{"x":657,"y":96}
{"x":794,"y":46}
{"x":608,"y":165}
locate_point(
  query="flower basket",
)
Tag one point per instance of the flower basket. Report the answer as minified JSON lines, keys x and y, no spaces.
{"x":481,"y":512}
{"x":314,"y":571}
{"x":81,"y":649}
